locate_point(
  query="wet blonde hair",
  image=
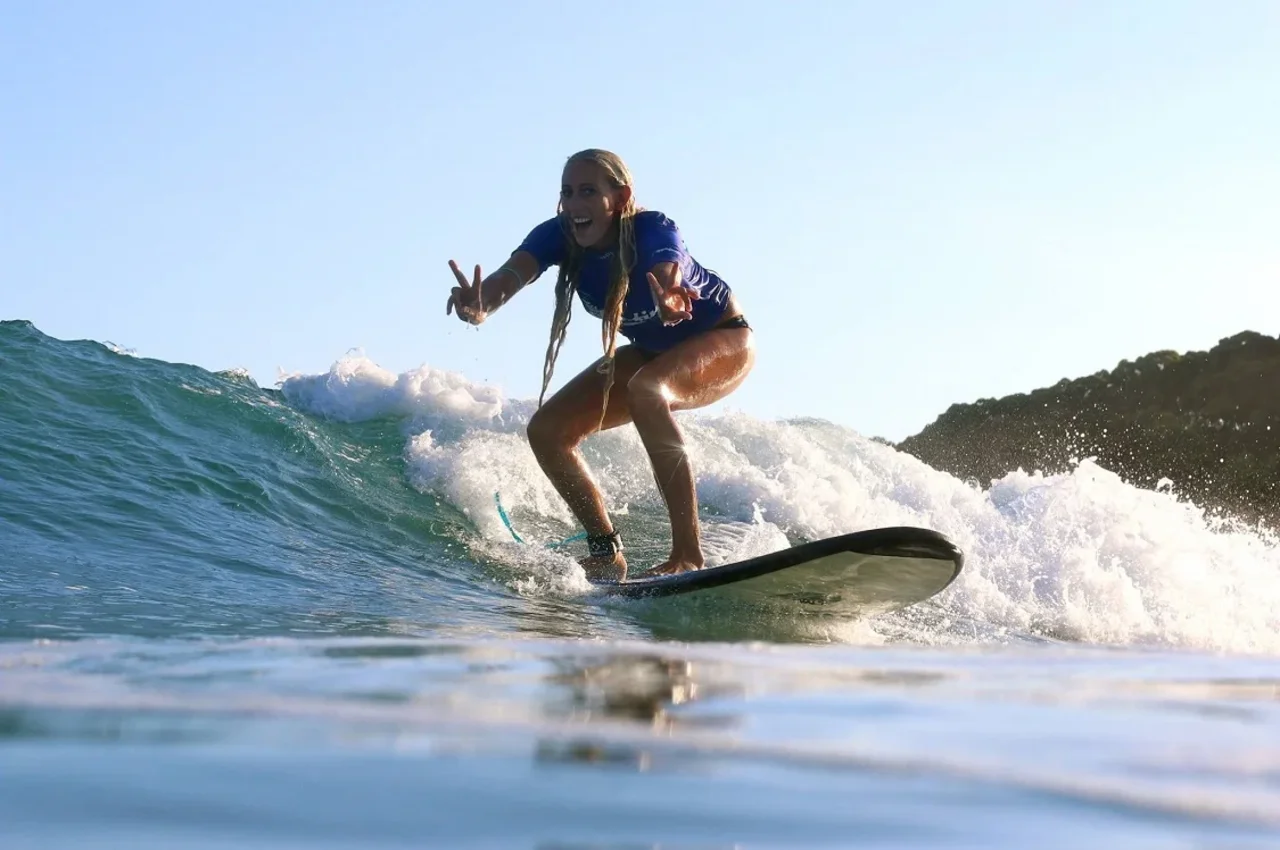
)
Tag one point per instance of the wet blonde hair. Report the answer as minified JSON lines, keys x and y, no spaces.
{"x":618,"y":175}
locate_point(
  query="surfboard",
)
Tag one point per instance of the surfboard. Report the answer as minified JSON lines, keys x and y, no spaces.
{"x":863,"y":572}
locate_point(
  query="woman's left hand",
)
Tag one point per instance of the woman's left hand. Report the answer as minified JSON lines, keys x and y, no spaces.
{"x":673,"y":299}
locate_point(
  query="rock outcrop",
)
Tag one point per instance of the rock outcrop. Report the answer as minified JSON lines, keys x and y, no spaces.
{"x":1205,"y":424}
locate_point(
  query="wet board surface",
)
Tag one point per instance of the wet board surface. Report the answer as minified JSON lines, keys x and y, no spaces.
{"x":876,"y":570}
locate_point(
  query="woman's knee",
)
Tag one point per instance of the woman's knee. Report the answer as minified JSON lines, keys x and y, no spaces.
{"x":553,"y":427}
{"x":543,"y":429}
{"x":647,"y":393}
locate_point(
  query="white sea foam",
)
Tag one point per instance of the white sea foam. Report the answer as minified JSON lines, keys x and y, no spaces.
{"x":1080,"y":556}
{"x":357,"y":389}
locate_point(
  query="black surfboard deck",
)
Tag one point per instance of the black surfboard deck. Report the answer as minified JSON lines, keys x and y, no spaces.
{"x":872,"y":571}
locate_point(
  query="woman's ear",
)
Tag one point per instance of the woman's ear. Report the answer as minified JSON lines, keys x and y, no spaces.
{"x":621,"y":196}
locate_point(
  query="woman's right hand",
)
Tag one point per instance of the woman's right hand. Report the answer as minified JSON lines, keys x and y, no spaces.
{"x":466,"y":297}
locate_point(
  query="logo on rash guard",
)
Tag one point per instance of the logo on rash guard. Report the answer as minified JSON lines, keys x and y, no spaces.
{"x":637,"y":318}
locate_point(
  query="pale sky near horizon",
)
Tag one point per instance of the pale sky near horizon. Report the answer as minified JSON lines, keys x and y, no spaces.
{"x":918,"y":204}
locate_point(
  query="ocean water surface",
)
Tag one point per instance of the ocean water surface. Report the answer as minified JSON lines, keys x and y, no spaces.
{"x":235,"y":616}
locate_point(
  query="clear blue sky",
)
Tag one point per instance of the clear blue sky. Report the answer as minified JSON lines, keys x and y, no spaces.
{"x":917,"y":203}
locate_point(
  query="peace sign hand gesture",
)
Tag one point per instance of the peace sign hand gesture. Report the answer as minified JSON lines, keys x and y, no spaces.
{"x":466,"y":297}
{"x":674,"y":302}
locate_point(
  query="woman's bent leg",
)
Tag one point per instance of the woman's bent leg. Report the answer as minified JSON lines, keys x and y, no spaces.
{"x":557,"y":429}
{"x":695,"y":373}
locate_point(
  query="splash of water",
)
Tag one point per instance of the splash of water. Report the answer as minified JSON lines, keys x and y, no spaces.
{"x":1078,"y":556}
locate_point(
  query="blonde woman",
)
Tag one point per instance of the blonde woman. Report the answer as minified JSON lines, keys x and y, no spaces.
{"x":688,"y":346}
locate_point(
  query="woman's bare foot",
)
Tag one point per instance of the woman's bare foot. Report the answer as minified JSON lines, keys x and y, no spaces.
{"x":604,"y":567}
{"x":675,"y":565}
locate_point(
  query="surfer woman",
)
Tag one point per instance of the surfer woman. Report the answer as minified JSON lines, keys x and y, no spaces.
{"x":689,"y":346}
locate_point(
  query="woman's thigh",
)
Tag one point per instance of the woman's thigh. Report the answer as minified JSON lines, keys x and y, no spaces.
{"x":697,"y":372}
{"x":573,"y":411}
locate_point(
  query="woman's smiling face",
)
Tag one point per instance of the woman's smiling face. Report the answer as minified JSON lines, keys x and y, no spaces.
{"x":591,"y":202}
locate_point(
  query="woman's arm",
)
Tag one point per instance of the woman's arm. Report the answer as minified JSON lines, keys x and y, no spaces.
{"x":475,"y":300}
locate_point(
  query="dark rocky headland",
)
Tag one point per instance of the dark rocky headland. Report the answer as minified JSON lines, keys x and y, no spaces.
{"x":1208,"y":421}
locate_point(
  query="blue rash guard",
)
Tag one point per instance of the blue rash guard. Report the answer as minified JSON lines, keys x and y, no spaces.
{"x":658,"y":240}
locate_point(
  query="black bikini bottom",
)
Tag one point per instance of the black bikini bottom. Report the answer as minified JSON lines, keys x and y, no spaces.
{"x":734,"y":322}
